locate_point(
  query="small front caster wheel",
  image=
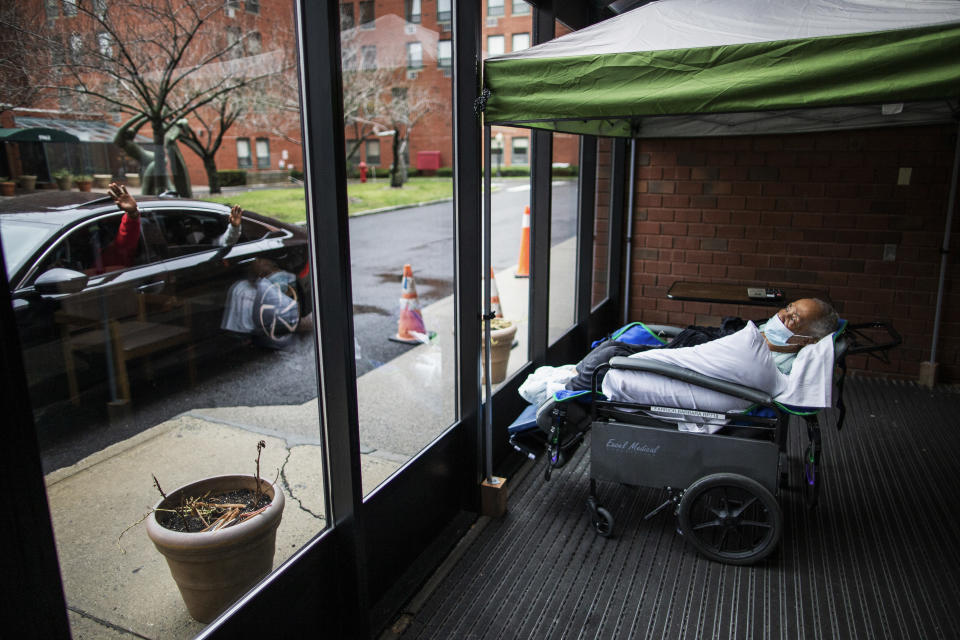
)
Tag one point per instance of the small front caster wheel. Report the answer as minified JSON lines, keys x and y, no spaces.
{"x":602,"y":521}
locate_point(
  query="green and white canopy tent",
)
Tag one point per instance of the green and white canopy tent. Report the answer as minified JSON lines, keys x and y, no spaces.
{"x":723,"y":67}
{"x":694,"y":68}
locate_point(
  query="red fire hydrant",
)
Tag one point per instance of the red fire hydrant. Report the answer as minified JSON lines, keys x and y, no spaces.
{"x":363,"y":171}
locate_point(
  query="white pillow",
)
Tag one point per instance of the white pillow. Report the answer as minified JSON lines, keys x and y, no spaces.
{"x":742,"y":357}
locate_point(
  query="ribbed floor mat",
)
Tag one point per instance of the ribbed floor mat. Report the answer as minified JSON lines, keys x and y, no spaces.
{"x":878,"y":558}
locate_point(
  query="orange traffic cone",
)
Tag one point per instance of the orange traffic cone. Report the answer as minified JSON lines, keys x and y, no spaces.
{"x":495,"y":307}
{"x":410,"y":329}
{"x":523,"y":262}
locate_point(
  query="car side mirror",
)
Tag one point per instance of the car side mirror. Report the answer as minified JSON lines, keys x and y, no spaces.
{"x":60,"y":280}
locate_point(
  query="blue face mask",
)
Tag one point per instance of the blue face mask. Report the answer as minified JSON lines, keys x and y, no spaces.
{"x":776,"y":332}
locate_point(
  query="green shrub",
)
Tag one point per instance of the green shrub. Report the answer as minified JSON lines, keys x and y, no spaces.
{"x":296,"y":174}
{"x":232,"y":177}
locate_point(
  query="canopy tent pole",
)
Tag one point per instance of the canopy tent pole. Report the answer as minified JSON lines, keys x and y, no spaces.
{"x":488,"y":390}
{"x":631,"y":182}
{"x":945,"y":251}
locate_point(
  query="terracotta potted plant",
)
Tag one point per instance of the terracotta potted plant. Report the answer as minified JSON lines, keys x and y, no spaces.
{"x":502,"y":333}
{"x":101,"y":180}
{"x":218,"y":536}
{"x":84,"y":182}
{"x":7,"y":187}
{"x":28,"y":182}
{"x":64,"y":179}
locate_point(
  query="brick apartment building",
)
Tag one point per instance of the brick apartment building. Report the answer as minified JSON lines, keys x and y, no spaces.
{"x":406,"y":41}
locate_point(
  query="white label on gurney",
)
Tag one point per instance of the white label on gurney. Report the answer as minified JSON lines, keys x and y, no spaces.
{"x":689,"y":412}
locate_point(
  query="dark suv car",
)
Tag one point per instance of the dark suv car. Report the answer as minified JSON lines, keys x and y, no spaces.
{"x":85,"y":327}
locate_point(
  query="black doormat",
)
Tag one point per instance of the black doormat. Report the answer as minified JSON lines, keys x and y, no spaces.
{"x":878,"y":558}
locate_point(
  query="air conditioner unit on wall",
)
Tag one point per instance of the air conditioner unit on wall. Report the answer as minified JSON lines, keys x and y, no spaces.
{"x":409,"y":29}
{"x":230,"y":11}
{"x":411,"y":75}
{"x":491,"y":22}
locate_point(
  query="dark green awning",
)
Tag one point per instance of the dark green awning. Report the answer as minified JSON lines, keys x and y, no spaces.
{"x":36,"y":134}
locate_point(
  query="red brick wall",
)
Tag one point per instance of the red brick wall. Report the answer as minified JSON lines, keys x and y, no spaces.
{"x":601,"y":223}
{"x":812,"y":210}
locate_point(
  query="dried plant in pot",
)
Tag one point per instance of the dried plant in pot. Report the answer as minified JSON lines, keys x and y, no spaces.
{"x":502,"y":333}
{"x":218,"y":536}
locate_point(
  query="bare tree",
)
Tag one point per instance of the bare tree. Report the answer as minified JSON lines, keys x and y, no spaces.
{"x":161,"y":60}
{"x":408,"y":105}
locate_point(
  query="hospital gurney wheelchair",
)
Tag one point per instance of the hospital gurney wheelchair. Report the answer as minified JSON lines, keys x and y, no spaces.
{"x":722,"y":487}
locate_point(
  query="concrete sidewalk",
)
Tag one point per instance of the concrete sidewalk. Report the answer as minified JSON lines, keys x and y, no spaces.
{"x":117,"y":584}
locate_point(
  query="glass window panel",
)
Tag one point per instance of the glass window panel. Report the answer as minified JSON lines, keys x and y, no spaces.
{"x":563,"y":235}
{"x":373,"y":152}
{"x":444,"y":54}
{"x":495,"y":45}
{"x":346,"y":16}
{"x":413,"y":11}
{"x":367,"y":14}
{"x":414,"y":55}
{"x":243,"y":153}
{"x":398,"y":118}
{"x":172,"y":343}
{"x":520,"y":8}
{"x":601,"y":224}
{"x":263,"y":153}
{"x":520,"y":41}
{"x":494,"y":8}
{"x":443,"y":10}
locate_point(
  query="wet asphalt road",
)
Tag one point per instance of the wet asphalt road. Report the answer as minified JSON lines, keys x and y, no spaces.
{"x":248,"y":375}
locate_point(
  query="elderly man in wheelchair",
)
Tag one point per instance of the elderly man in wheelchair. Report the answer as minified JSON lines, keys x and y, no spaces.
{"x":708,"y":422}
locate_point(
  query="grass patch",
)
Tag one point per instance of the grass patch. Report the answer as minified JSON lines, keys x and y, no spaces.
{"x":288,"y":205}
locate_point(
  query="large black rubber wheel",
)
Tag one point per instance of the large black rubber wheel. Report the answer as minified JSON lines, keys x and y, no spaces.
{"x":730,"y":518}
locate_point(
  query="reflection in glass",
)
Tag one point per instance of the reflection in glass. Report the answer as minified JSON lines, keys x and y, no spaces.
{"x":563,"y":235}
{"x":162,"y":347}
{"x":601,"y":224}
{"x":399,"y":148}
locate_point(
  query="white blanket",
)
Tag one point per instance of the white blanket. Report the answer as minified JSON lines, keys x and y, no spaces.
{"x":810,"y":383}
{"x":742,"y":357}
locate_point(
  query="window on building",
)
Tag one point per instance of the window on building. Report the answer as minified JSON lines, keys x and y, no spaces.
{"x":99,"y":8}
{"x":346,"y":16}
{"x":233,"y":42}
{"x":444,"y":54}
{"x":413,"y":11}
{"x":520,"y":8}
{"x":69,"y":8}
{"x":76,"y":45}
{"x":443,"y":11}
{"x":263,"y":153}
{"x":252,"y":6}
{"x":368,"y":53}
{"x":243,"y":153}
{"x":372,"y":152}
{"x":366,"y":14}
{"x":350,"y":59}
{"x":414,"y":55}
{"x":518,"y":150}
{"x":104,"y":44}
{"x":254,"y":44}
{"x":494,"y":8}
{"x":495,"y":45}
{"x":53,"y":9}
{"x":520,"y":41}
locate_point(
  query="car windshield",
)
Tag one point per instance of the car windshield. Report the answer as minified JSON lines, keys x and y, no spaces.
{"x":20,"y":240}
